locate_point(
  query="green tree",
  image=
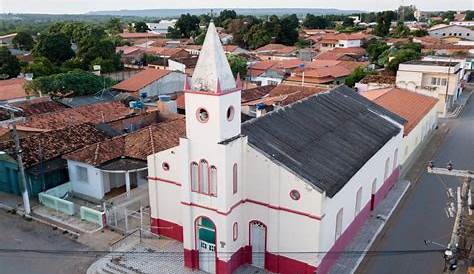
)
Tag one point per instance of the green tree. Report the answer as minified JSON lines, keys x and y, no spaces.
{"x":384,"y":20}
{"x":9,"y":65}
{"x":348,"y":22}
{"x":72,"y":83}
{"x":238,"y":65}
{"x":56,"y":47}
{"x":114,"y":26}
{"x":288,"y":34}
{"x":355,"y":76}
{"x":448,"y":15}
{"x":401,"y":30}
{"x":187,"y":26}
{"x":41,"y":66}
{"x":102,"y":51}
{"x":402,"y":55}
{"x":257,"y":37}
{"x":141,"y":27}
{"x":23,"y":40}
{"x":419,"y":33}
{"x":224,"y":17}
{"x":469,"y":16}
{"x":375,"y":48}
{"x":315,"y":22}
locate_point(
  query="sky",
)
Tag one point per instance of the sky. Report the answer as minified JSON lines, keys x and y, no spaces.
{"x":83,"y":6}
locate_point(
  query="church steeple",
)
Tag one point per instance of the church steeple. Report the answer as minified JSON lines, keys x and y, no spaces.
{"x":212,"y":70}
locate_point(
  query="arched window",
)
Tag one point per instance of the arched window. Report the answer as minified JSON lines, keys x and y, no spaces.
{"x":234,"y":178}
{"x":339,"y":217}
{"x":395,"y":158}
{"x":213,"y":181}
{"x":194,"y":176}
{"x":387,"y":169}
{"x":203,"y":176}
{"x":358,"y":201}
{"x":235,"y":231}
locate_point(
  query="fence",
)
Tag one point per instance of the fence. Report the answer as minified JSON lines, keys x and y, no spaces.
{"x":53,"y":199}
{"x":93,"y":216}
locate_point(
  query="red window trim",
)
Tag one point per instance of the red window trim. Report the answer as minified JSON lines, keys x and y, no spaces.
{"x":198,"y":117}
{"x":208,"y":179}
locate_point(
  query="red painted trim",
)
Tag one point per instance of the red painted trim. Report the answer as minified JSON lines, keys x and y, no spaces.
{"x":191,"y":258}
{"x":254,"y":202}
{"x":163,"y":180}
{"x":167,"y":229}
{"x":240,"y":257}
{"x":225,"y":92}
{"x":284,"y":265}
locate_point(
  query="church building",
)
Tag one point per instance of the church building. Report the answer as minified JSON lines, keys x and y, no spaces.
{"x":281,"y":192}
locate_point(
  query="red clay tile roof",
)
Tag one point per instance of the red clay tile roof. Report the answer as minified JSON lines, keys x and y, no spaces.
{"x":34,"y":106}
{"x":136,"y":35}
{"x":342,"y":36}
{"x":255,"y":93}
{"x":137,"y":145}
{"x":276,"y":49}
{"x":125,"y":50}
{"x":49,"y":145}
{"x":95,"y":114}
{"x":165,"y":52}
{"x":283,"y":95}
{"x":378,"y":78}
{"x":338,"y":53}
{"x":141,"y":80}
{"x":409,"y":105}
{"x":12,"y":89}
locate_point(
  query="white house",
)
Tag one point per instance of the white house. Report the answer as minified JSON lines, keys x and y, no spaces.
{"x":277,"y":190}
{"x":442,"y":31}
{"x":162,"y":26}
{"x":462,"y":23}
{"x":432,"y":78}
{"x":419,"y":112}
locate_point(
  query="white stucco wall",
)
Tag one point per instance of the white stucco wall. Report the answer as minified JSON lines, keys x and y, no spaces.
{"x":93,"y":188}
{"x":348,"y":44}
{"x":168,"y":84}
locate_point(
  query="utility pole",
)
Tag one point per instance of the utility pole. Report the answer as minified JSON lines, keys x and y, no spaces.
{"x":18,"y":151}
{"x":452,"y":251}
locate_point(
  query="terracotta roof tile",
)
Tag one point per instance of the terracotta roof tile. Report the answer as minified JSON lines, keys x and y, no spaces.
{"x":141,"y":80}
{"x":165,"y":52}
{"x":49,"y":145}
{"x":137,"y":145}
{"x":135,"y":35}
{"x":338,"y":53}
{"x":283,"y":95}
{"x":255,"y":93}
{"x":378,"y":78}
{"x":34,"y":106}
{"x":97,"y":113}
{"x":276,"y":49}
{"x":409,"y":105}
{"x":12,"y":89}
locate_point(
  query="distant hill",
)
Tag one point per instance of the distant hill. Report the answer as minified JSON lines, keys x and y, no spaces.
{"x":170,"y":13}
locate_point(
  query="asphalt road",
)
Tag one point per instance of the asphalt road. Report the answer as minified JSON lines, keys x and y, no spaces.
{"x":421,"y":215}
{"x":16,"y":233}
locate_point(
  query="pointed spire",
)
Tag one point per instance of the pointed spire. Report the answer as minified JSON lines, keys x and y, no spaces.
{"x":238,"y":81}
{"x":212,"y":65}
{"x":218,"y":86}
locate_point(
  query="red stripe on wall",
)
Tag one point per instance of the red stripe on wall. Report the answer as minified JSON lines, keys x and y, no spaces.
{"x":167,"y":229}
{"x":164,"y":180}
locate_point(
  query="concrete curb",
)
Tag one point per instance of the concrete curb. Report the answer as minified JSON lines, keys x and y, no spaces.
{"x":359,"y":261}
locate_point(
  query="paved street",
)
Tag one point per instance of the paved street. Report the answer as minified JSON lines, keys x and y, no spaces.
{"x":421,"y":215}
{"x":17,"y":233}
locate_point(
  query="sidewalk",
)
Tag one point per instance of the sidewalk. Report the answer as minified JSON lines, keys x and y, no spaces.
{"x":369,"y":231}
{"x":460,"y":104}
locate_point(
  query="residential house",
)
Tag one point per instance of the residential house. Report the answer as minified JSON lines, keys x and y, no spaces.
{"x":448,"y":49}
{"x":462,"y":23}
{"x":152,"y":82}
{"x":7,"y":39}
{"x":162,"y":26}
{"x":432,"y":78}
{"x":443,"y":31}
{"x":344,"y":54}
{"x":303,"y":178}
{"x":272,"y":72}
{"x":132,"y":55}
{"x":119,"y":164}
{"x":226,"y":38}
{"x":139,"y":36}
{"x":41,"y":155}
{"x":167,"y":53}
{"x":233,"y":49}
{"x":276,"y":52}
{"x":419,"y":111}
{"x":331,"y":41}
{"x":375,"y":81}
{"x":13,"y":90}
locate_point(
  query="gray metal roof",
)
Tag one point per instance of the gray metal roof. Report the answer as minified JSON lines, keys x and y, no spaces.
{"x":324,"y":139}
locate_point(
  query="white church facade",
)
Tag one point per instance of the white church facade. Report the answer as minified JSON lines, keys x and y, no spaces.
{"x":277,"y":191}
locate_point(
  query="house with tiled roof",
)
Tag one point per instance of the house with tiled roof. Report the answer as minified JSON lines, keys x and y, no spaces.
{"x":152,"y":82}
{"x":272,"y":72}
{"x":375,"y":81}
{"x":134,"y":36}
{"x":418,"y":110}
{"x":119,"y":164}
{"x":452,"y":31}
{"x":12,"y":90}
{"x":343,"y":54}
{"x":301,"y":178}
{"x":330,"y":41}
{"x":276,"y":52}
{"x":44,"y":168}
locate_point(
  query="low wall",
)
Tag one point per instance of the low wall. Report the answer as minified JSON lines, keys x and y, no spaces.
{"x":56,"y":203}
{"x":92,"y":215}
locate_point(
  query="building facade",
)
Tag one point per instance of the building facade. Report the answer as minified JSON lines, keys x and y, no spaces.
{"x":232,"y":199}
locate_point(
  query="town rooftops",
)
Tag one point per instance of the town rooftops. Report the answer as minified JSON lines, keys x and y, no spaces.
{"x":95,"y":114}
{"x":379,"y":78}
{"x":325,"y":139}
{"x":12,"y":89}
{"x":342,"y":36}
{"x":278,"y":49}
{"x":33,"y":107}
{"x":138,"y":35}
{"x":141,"y":80}
{"x":46,"y":146}
{"x":283,"y":95}
{"x":409,"y":105}
{"x":136,"y":146}
{"x":431,"y":63}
